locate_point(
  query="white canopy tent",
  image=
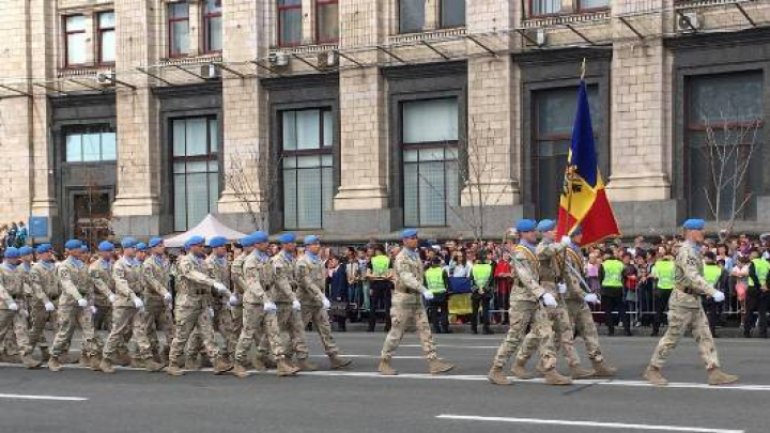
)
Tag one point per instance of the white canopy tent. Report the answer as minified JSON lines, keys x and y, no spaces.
{"x":208,"y":228}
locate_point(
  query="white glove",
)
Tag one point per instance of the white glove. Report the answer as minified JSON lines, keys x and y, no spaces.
{"x":270,"y":307}
{"x":211,"y":312}
{"x":566,"y":241}
{"x":219,"y":287}
{"x":234,"y":300}
{"x":49,"y":307}
{"x":82,"y":302}
{"x":138,"y":303}
{"x":167,"y":298}
{"x":13,"y":306}
{"x":549,"y":300}
{"x":326,"y":303}
{"x":562,"y":288}
{"x":93,"y":309}
{"x":295,"y":305}
{"x":591,"y":298}
{"x":112,"y":298}
{"x":719,"y":296}
{"x":428,"y":295}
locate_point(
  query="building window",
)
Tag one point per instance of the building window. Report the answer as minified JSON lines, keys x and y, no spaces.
{"x":178,"y":29}
{"x":307,"y":137}
{"x":75,"y":40}
{"x":212,"y":26}
{"x":289,"y":22}
{"x":544,"y":7}
{"x":195,"y":145}
{"x":452,"y":13}
{"x":429,"y":140}
{"x":554,"y":116}
{"x":106,"y":35}
{"x":411,"y":16}
{"x":591,"y":5}
{"x":724,"y":143}
{"x":90,"y":144}
{"x":327,"y":21}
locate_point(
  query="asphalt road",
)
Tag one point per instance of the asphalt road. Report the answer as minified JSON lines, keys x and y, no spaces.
{"x":357,"y":400}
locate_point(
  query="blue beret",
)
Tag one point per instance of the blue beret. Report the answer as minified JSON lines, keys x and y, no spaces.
{"x":25,"y":250}
{"x":546,"y":225}
{"x":409,"y":233}
{"x":43,"y":248}
{"x":287,"y":238}
{"x":217,"y":241}
{"x":141,"y":246}
{"x":526,"y":225}
{"x":154,"y":242}
{"x":105,"y":246}
{"x":193,"y":240}
{"x":247,"y":241}
{"x":577,"y":231}
{"x":694,"y":224}
{"x":73,"y":244}
{"x":11,"y":253}
{"x":312,"y":239}
{"x":128,"y":242}
{"x":260,"y":237}
{"x":84,"y":248}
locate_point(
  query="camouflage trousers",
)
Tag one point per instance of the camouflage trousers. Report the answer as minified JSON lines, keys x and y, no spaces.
{"x":583,"y":321}
{"x":157,"y":317}
{"x":69,"y":318}
{"x":186,"y":320}
{"x":290,"y":323}
{"x":15,"y":324}
{"x":679,"y":319}
{"x":523,"y":314}
{"x":39,"y":318}
{"x":223,"y":325}
{"x":257,"y":325}
{"x":320,"y":319}
{"x":401,"y":316}
{"x":563,"y":337}
{"x":236,"y":314}
{"x":123,"y":319}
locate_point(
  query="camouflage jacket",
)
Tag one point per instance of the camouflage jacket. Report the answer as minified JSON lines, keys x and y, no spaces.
{"x":256,"y":274}
{"x":219,"y":270}
{"x":127,"y":274}
{"x":101,"y":277}
{"x":156,"y":271}
{"x":409,"y":277}
{"x":193,"y":283}
{"x":527,"y":268}
{"x":311,"y":278}
{"x":12,"y":283}
{"x":45,"y":288}
{"x":575,"y":261}
{"x":690,"y":283}
{"x":551,"y":257}
{"x":74,"y":282}
{"x":282,"y":278}
{"x":236,"y":274}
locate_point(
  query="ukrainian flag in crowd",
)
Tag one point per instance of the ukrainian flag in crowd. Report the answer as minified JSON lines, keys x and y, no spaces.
{"x":583,"y":199}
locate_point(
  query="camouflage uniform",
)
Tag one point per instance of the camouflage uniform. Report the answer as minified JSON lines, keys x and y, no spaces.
{"x":219,"y":270}
{"x":311,"y":276}
{"x":100,"y":273}
{"x":45,"y":289}
{"x":685,"y":309}
{"x":526,"y":310}
{"x":407,"y":306}
{"x":75,"y":285}
{"x":156,"y":270}
{"x":283,"y":283}
{"x":580,"y":315}
{"x":12,"y":289}
{"x":239,"y":287}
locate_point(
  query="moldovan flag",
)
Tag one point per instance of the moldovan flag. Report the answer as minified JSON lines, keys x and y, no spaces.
{"x":583,"y":200}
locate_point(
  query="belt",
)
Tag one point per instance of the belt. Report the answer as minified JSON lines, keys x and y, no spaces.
{"x":545,"y":280}
{"x":687,"y":290}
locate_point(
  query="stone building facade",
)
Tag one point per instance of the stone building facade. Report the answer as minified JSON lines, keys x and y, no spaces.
{"x":356,"y":118}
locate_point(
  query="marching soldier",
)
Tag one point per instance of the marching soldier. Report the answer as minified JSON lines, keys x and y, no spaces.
{"x":13,"y":309}
{"x":45,"y":292}
{"x":238,"y":289}
{"x":100,"y":272}
{"x":311,"y":279}
{"x":529,"y":302}
{"x":685,"y":311}
{"x":75,"y":309}
{"x":158,"y":299}
{"x":407,"y":307}
{"x":222,"y":303}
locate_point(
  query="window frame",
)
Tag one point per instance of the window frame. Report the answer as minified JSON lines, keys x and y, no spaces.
{"x":440,"y":18}
{"x":580,"y":9}
{"x":318,"y":5}
{"x":206,"y":18}
{"x":401,"y":31}
{"x":100,"y":37}
{"x":532,"y":13}
{"x":279,"y":9}
{"x":170,"y":29}
{"x":67,"y":34}
{"x":85,"y":129}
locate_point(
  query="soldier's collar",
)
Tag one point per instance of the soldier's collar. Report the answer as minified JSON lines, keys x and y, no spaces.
{"x":528,"y":245}
{"x":287,"y":255}
{"x":311,"y":256}
{"x":9,"y":265}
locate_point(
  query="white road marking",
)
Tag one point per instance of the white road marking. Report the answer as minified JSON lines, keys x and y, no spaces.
{"x":591,"y":424}
{"x":371,"y":356}
{"x":41,"y":397}
{"x":453,"y":346}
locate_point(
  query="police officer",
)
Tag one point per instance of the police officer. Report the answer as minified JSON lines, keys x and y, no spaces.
{"x":756,"y":295}
{"x":13,"y":309}
{"x":380,"y":276}
{"x":481,"y":278}
{"x":407,"y":307}
{"x":663,"y":273}
{"x":45,"y":293}
{"x":437,"y":281}
{"x":611,"y":277}
{"x":715,"y":274}
{"x":685,"y":311}
{"x":158,"y":299}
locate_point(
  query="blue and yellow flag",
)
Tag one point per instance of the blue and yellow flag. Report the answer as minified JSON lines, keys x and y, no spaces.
{"x":583,"y":200}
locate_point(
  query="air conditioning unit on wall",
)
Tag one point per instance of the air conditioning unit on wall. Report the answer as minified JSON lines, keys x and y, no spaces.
{"x":279,"y":59}
{"x":689,"y":22}
{"x":328,"y":59}
{"x":210,"y":72}
{"x":105,"y":78}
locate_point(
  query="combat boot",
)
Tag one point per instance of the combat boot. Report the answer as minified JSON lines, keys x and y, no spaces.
{"x":54,"y":364}
{"x":601,"y":369}
{"x":258,"y":364}
{"x":654,"y":376}
{"x":497,"y":377}
{"x":84,"y":360}
{"x":152,"y":365}
{"x":553,"y":377}
{"x":269,"y":362}
{"x":438,"y":366}
{"x":174,"y":369}
{"x":221,"y":365}
{"x":576,"y":372}
{"x":285,"y":368}
{"x":240,"y":371}
{"x":719,"y":377}
{"x":106,"y":366}
{"x":30,"y":362}
{"x":44,"y":354}
{"x":94,"y":361}
{"x":337,"y":362}
{"x":519,"y":370}
{"x":304,"y":364}
{"x":385,"y":369}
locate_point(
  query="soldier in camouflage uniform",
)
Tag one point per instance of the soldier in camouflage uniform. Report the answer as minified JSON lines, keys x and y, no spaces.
{"x":407,"y":307}
{"x":259,"y":311}
{"x":238,"y":289}
{"x":219,"y":270}
{"x":158,"y":299}
{"x":128,"y":310}
{"x":685,"y":310}
{"x":75,"y":309}
{"x":311,"y":276}
{"x":193,"y":289}
{"x":13,"y":310}
{"x":529,"y":302}
{"x":45,"y":292}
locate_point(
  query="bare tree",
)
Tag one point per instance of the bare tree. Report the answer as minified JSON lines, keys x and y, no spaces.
{"x":247,"y":173}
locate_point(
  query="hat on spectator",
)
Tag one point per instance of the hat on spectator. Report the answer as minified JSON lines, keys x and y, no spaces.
{"x":25,"y":250}
{"x":73,"y":244}
{"x":193,"y":240}
{"x":287,"y":238}
{"x":105,"y":246}
{"x":260,"y":237}
{"x":312,"y":240}
{"x":141,"y":246}
{"x":526,"y":225}
{"x":11,"y":253}
{"x":43,"y":248}
{"x":128,"y":242}
{"x":154,"y":242}
{"x":409,"y":233}
{"x":694,"y":224}
{"x":546,"y":225}
{"x":217,"y":241}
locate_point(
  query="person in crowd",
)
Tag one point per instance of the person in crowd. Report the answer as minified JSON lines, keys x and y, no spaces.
{"x":481,"y":280}
{"x":611,"y":277}
{"x":503,"y":281}
{"x":380,"y":276}
{"x":757,"y":295}
{"x":437,"y":281}
{"x":338,"y":292}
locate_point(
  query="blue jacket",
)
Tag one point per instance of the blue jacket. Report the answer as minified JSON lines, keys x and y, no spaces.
{"x":338,"y":285}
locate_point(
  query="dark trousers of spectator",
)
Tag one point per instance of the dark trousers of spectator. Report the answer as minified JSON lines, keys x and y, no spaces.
{"x":712,"y":313}
{"x":612,"y":300}
{"x":379,"y":300}
{"x":661,"y":298}
{"x":480,"y":300}
{"x":438,"y":313}
{"x":756,"y":300}
{"x":502,"y":302}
